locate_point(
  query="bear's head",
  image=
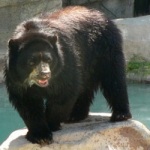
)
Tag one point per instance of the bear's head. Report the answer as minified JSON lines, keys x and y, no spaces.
{"x":33,"y":59}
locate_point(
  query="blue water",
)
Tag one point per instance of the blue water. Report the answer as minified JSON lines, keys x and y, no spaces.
{"x":139,"y":95}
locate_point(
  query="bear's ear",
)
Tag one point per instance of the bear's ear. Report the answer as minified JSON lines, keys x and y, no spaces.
{"x":52,"y":39}
{"x":13,"y":44}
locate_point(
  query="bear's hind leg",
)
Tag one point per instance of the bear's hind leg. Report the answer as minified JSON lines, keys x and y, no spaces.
{"x":113,"y":86}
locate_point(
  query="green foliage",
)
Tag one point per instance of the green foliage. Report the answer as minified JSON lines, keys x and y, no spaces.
{"x":139,"y":65}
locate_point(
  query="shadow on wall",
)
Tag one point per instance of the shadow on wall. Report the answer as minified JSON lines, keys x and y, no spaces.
{"x":141,"y":7}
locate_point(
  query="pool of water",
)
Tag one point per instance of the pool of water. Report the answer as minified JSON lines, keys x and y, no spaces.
{"x":139,"y":95}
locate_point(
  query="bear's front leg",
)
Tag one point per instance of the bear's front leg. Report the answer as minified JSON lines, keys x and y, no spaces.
{"x":39,"y":134}
{"x":31,"y":109}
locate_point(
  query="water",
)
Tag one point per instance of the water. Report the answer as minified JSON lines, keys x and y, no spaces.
{"x":9,"y":118}
{"x":139,"y":95}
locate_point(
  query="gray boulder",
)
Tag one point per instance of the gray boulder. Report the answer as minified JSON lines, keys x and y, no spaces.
{"x":136,"y":36}
{"x":94,"y":133}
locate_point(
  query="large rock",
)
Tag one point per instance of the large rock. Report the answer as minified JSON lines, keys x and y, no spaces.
{"x":136,"y":36}
{"x":136,"y":45}
{"x":94,"y":133}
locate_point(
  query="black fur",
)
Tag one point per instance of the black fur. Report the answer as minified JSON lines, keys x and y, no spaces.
{"x":85,"y":52}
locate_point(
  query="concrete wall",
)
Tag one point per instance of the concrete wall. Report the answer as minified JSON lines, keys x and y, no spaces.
{"x":136,"y":45}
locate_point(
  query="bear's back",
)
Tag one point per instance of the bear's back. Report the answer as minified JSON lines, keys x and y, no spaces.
{"x":75,"y":17}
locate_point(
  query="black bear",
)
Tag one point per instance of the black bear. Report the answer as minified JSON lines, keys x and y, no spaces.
{"x":56,"y":62}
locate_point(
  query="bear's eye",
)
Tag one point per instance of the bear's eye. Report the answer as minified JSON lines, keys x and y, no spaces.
{"x":48,"y":60}
{"x":31,"y":62}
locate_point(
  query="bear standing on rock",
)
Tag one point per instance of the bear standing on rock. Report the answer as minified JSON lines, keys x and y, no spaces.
{"x":55,"y":64}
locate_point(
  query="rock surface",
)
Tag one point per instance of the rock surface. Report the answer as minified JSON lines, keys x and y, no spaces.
{"x":136,"y":45}
{"x":136,"y":36}
{"x":94,"y":133}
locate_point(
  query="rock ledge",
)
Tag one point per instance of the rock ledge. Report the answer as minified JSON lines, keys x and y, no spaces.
{"x":94,"y":133}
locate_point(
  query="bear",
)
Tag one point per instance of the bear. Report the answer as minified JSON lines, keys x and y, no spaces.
{"x":57,"y":61}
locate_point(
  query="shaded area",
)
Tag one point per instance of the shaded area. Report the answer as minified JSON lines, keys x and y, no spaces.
{"x":90,"y":134}
{"x":141,"y":7}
